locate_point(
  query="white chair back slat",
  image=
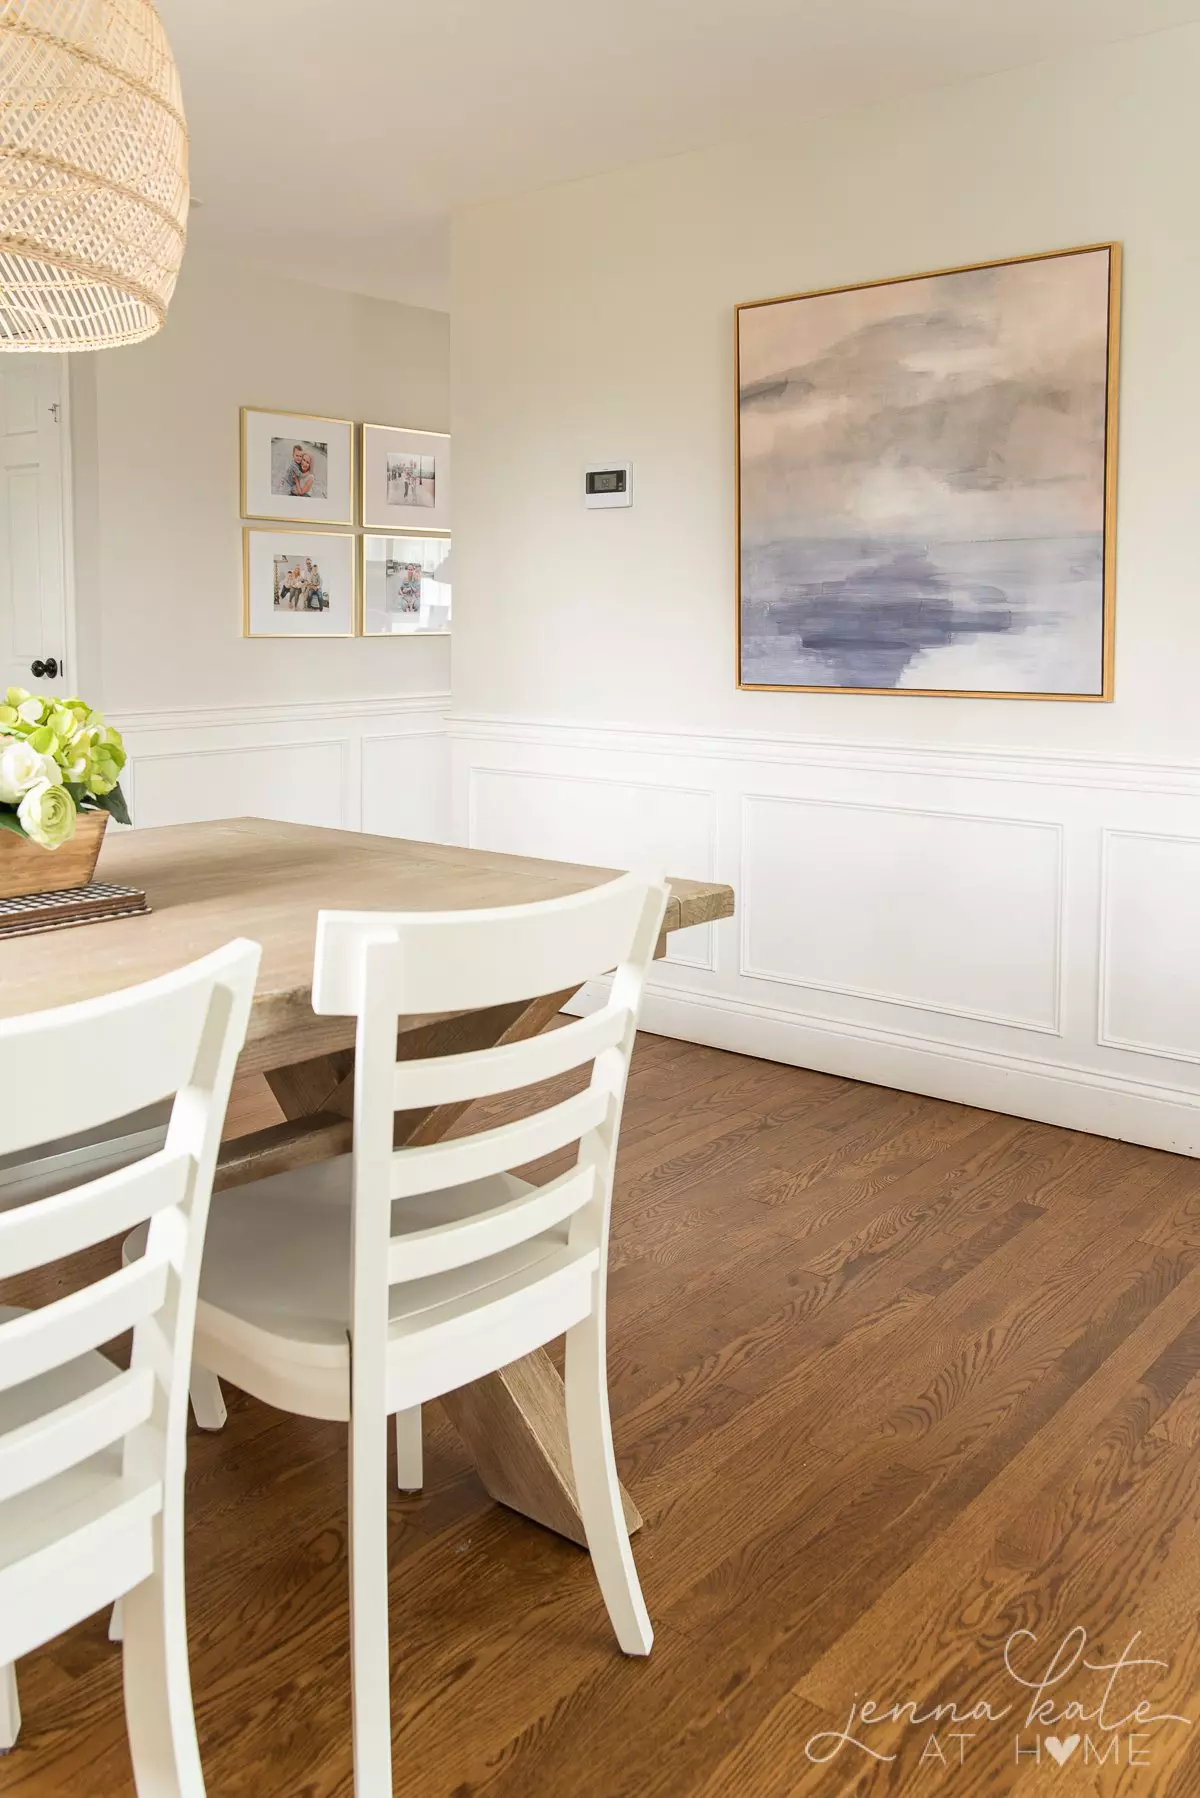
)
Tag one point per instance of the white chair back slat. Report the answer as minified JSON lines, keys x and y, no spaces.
{"x":440,"y":1247}
{"x":53,"y":1173}
{"x":449,"y":1079}
{"x":467,"y":961}
{"x":73,"y":1432}
{"x":382,"y":966}
{"x":69,"y":1327}
{"x":100,"y":1548}
{"x":446,"y":1336}
{"x":48,"y":1229}
{"x":137,"y":1047}
{"x":70,"y":1545}
{"x":442,"y":1164}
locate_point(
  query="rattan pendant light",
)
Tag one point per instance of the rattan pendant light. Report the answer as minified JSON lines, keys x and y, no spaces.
{"x":93,"y":173}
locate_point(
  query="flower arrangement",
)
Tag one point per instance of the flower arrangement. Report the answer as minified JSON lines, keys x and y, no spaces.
{"x":57,"y":758}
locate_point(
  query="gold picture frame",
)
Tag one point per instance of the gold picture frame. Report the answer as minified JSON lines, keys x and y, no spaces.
{"x":440,"y":539}
{"x":262,"y":505}
{"x":293,"y":535}
{"x":1107,"y":481}
{"x":372,"y":512}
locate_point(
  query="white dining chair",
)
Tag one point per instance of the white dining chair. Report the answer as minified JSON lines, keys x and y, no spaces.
{"x":92,"y":1457}
{"x":358,"y":1288}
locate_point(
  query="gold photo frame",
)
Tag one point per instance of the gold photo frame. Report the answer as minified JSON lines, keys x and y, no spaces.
{"x":409,"y":601}
{"x":416,"y":503}
{"x":283,"y":582}
{"x":926,"y":482}
{"x":298,"y":468}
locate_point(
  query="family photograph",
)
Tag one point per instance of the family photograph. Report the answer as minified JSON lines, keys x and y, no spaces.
{"x":299,"y":469}
{"x":298,"y":586}
{"x":411,"y":480}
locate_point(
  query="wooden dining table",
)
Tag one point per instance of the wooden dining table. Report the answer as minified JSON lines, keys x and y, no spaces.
{"x":207,"y":883}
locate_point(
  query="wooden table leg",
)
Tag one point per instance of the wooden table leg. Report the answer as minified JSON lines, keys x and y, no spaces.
{"x":513,"y":1422}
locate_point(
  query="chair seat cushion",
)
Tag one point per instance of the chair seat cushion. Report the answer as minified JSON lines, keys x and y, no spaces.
{"x":277,"y":1260}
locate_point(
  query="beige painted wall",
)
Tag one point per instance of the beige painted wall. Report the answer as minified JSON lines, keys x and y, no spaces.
{"x":155,"y":434}
{"x":595,"y":320}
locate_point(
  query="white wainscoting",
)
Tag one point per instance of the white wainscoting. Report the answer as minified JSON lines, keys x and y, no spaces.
{"x":379,"y":765}
{"x":1015,"y":932}
{"x":1150,"y":944}
{"x":973,"y":880}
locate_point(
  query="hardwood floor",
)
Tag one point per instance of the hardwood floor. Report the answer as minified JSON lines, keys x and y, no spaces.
{"x":892,"y":1380}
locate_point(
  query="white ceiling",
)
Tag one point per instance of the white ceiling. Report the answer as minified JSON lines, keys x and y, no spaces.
{"x":332,"y":140}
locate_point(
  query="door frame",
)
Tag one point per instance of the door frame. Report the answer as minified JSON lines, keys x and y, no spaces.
{"x":66,"y":515}
{"x":53,"y":387}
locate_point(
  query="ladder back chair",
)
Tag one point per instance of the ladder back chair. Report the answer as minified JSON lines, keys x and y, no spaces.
{"x":359,"y":1288}
{"x":91,"y":1456}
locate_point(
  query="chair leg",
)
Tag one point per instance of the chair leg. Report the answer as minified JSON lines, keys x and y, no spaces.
{"x":410,"y":1470}
{"x":116,"y":1622}
{"x":370,"y":1670}
{"x":158,"y":1687}
{"x":598,"y":1488}
{"x":208,"y":1405}
{"x":10,"y":1708}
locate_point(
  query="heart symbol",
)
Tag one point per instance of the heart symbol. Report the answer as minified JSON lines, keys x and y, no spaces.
{"x":1062,"y":1751}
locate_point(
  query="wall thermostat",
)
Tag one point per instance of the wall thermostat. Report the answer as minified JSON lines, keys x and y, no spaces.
{"x":608,"y":484}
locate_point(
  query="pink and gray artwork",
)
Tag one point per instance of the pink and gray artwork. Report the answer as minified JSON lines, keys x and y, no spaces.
{"x":923,"y":482}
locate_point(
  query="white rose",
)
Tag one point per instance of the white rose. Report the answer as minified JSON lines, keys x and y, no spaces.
{"x":21,"y":768}
{"x":47,"y":815}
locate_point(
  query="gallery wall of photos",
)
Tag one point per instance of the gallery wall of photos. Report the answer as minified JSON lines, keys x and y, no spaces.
{"x":351,"y":528}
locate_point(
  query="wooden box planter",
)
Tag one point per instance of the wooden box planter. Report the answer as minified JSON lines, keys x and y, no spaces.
{"x":26,"y":867}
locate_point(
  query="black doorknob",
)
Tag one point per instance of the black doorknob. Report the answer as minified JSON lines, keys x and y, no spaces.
{"x":46,"y":670}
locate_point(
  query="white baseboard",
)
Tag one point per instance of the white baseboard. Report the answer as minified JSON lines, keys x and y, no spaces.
{"x":1074,"y":1098}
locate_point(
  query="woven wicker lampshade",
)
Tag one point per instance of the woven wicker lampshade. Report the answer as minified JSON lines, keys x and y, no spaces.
{"x":93,"y":173}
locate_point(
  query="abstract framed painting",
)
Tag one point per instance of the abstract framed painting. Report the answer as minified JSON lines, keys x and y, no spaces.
{"x":926,"y":482}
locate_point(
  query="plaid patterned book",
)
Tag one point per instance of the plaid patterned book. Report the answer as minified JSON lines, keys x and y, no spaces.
{"x":79,"y":905}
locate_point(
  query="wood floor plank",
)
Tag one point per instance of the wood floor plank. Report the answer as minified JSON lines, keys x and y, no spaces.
{"x":920,"y":1601}
{"x":902,"y":1467}
{"x":839,"y":1391}
{"x":890,"y":1378}
{"x":1101,"y":1570}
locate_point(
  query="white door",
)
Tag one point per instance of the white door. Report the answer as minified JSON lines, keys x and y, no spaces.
{"x":33,"y":608}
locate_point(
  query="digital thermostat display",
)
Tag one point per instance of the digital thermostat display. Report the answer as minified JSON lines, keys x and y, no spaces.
{"x":608,"y":484}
